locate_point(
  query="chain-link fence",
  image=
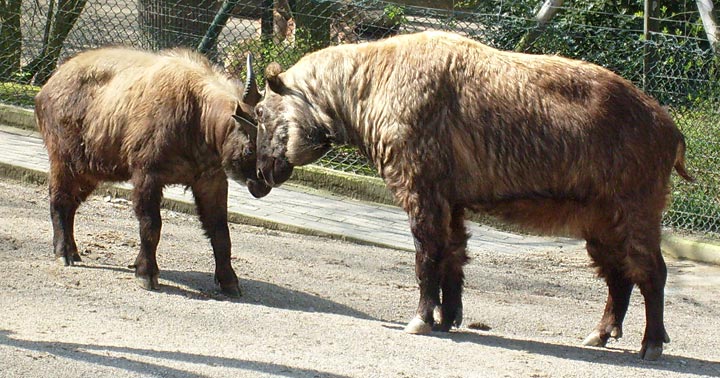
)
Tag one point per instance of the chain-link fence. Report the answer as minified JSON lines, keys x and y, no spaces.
{"x":672,"y":61}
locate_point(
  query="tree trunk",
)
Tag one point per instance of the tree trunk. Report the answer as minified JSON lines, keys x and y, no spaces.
{"x":314,"y":18}
{"x":62,"y":22}
{"x":707,"y":13}
{"x":266,"y":21}
{"x":10,"y":39}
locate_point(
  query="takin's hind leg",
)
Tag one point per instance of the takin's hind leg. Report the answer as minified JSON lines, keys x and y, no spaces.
{"x":646,"y":268}
{"x":67,"y":192}
{"x":452,"y":275}
{"x":650,"y":274}
{"x":619,"y":290}
{"x":637,"y":260}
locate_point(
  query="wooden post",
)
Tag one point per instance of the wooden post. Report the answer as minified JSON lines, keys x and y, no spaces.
{"x":315,"y":17}
{"x":650,"y":25}
{"x":707,"y":14}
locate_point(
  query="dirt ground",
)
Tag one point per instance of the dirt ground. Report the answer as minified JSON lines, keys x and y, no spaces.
{"x":312,"y":307}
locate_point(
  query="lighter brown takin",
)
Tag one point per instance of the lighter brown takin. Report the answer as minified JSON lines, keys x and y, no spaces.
{"x":553,"y":144}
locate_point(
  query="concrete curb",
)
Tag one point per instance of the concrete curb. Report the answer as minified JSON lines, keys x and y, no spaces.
{"x":683,"y":248}
{"x":35,"y":177}
{"x":339,"y":183}
{"x":17,"y":117}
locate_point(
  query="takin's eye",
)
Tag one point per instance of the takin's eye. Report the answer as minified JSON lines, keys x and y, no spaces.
{"x":248,"y":152}
{"x":259,"y":112}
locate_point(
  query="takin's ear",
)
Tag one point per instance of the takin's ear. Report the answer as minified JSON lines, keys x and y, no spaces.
{"x":272,"y":75}
{"x":245,"y":122}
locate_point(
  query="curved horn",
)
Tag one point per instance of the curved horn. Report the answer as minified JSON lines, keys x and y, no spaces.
{"x":251,"y":95}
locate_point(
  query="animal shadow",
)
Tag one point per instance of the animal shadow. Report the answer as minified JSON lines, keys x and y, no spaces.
{"x":199,"y":286}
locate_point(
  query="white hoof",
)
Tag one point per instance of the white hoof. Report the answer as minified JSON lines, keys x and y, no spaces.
{"x":594,"y":339}
{"x":437,"y":315}
{"x":418,"y":327}
{"x":62,"y":261}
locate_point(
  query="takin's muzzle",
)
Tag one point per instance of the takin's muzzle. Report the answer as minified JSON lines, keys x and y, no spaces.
{"x":258,"y":188}
{"x":274,"y":171}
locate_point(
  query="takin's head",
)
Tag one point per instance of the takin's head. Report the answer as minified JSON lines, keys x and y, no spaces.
{"x":239,"y":157}
{"x":291,"y":130}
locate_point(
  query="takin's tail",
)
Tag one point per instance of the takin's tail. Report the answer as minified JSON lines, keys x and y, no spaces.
{"x":680,"y":161}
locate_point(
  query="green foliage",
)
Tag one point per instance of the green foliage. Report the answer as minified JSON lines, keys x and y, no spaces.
{"x":395,"y":14}
{"x":515,"y":8}
{"x":696,"y":206}
{"x":266,"y":51}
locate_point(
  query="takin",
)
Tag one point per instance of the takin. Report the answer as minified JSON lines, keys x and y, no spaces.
{"x":154,"y":119}
{"x":555,"y":145}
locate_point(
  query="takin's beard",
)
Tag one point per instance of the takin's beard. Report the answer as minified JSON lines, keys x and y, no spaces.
{"x":307,"y":144}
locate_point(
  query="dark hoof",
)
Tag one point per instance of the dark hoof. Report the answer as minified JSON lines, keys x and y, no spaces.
{"x":457,"y":322}
{"x":148,"y":283}
{"x":229,"y":286}
{"x":76,"y":257}
{"x":232,"y":291}
{"x":651,"y":352}
{"x":443,"y":325}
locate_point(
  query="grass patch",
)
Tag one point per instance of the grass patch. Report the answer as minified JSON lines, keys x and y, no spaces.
{"x":18,"y":94}
{"x":347,"y":159}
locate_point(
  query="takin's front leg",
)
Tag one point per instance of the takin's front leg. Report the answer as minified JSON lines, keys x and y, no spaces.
{"x":67,"y":192}
{"x":147,"y":195}
{"x":452,"y":275}
{"x":211,"y":201}
{"x":430,"y":226}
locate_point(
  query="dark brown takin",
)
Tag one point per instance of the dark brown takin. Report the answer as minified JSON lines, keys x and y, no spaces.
{"x":154,"y":119}
{"x":556,"y":145}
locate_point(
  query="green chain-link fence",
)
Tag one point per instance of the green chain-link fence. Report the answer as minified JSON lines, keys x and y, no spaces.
{"x":674,"y":63}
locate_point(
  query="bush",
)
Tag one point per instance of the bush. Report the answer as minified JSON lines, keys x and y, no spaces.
{"x":266,"y":50}
{"x":697,"y":206}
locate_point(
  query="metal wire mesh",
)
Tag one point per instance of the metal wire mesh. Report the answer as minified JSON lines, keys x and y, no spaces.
{"x":674,"y":64}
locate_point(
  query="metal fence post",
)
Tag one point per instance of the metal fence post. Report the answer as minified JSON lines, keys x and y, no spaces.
{"x":266,"y":21}
{"x":210,"y":39}
{"x":650,"y":25}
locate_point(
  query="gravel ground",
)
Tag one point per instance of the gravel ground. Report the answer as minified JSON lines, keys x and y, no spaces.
{"x":312,"y":307}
